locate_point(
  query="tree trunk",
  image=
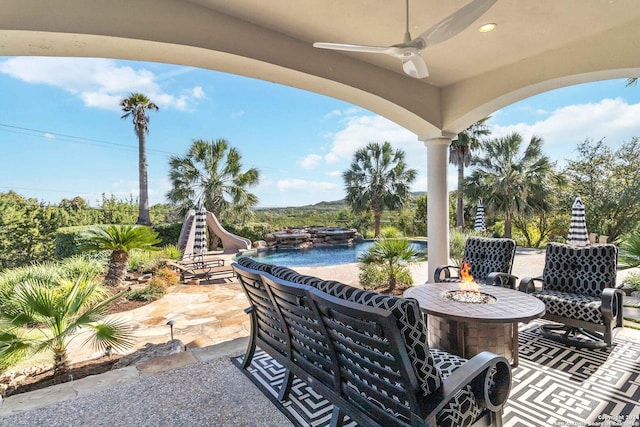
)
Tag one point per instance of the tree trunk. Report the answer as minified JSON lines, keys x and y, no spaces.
{"x":117,"y":270}
{"x":507,"y":226}
{"x":377,"y":216}
{"x":59,"y":361}
{"x":143,"y":200}
{"x":460,"y":208}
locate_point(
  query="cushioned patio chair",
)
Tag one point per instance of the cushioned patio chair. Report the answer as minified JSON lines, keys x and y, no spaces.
{"x":578,"y":288}
{"x":490,"y":261}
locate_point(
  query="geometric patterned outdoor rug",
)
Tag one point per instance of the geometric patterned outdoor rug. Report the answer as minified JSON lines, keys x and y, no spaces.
{"x":554,"y":385}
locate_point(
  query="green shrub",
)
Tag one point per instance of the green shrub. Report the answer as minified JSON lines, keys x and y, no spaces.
{"x":632,"y":281}
{"x":151,"y":292}
{"x":375,"y":276}
{"x":142,"y":261}
{"x":168,"y":233}
{"x":630,"y":250}
{"x":89,"y":265}
{"x":390,"y":232}
{"x":169,"y":252}
{"x":253,"y":230}
{"x":148,"y":261}
{"x":68,"y":241}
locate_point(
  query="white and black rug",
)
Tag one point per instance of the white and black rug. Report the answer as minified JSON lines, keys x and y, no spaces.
{"x":554,"y":385}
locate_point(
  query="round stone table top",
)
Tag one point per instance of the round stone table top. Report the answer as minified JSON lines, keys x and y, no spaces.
{"x":510,"y":306}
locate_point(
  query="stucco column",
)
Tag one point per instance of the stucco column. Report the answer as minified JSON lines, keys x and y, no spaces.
{"x":438,"y":200}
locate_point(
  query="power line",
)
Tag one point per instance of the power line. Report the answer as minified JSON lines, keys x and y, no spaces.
{"x":75,"y":139}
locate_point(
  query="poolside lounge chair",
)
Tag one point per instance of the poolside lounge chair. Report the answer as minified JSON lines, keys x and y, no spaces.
{"x":201,"y":270}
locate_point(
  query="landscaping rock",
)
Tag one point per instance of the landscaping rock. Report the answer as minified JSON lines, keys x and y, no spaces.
{"x":150,"y":351}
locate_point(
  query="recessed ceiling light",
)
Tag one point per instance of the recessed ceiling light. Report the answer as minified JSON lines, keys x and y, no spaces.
{"x":488,"y":27}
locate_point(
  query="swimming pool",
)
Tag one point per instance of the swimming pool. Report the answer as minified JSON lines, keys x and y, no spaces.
{"x":319,"y":256}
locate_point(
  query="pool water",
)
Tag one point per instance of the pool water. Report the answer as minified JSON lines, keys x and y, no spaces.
{"x":319,"y":256}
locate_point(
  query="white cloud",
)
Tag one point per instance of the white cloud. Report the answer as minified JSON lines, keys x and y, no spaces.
{"x":361,"y":130}
{"x":568,"y":126}
{"x":49,"y":136}
{"x":99,"y":83}
{"x":310,"y":162}
{"x":237,"y":114}
{"x":285,"y":185}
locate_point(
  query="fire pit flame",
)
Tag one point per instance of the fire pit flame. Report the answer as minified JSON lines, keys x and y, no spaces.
{"x":467,"y":282}
{"x":469,"y":290}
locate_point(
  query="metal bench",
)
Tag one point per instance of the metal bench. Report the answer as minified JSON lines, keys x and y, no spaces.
{"x":367,"y":353}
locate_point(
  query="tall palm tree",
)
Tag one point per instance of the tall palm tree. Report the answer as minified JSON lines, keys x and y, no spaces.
{"x":212,"y":172}
{"x":120,"y":240}
{"x":460,"y":154}
{"x":58,"y":310}
{"x":378,"y":179}
{"x":512,"y":180}
{"x":136,"y":106}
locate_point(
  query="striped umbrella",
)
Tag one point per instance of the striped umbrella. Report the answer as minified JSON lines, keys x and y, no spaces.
{"x":479,"y":225}
{"x":200,"y":245}
{"x":578,"y":234}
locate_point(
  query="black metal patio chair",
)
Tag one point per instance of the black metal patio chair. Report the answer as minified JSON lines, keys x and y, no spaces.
{"x":578,"y":288}
{"x":490,"y":261}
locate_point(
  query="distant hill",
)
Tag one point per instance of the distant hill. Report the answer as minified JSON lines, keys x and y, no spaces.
{"x":334,"y":205}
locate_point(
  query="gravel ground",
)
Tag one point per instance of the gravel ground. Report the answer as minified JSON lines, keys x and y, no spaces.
{"x":213,"y":393}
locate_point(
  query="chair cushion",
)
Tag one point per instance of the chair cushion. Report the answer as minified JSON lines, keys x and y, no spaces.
{"x":405,"y":310}
{"x":580,"y":270}
{"x":463,"y":409}
{"x":254,"y":265}
{"x":487,"y":255}
{"x":289,"y":275}
{"x":573,"y":306}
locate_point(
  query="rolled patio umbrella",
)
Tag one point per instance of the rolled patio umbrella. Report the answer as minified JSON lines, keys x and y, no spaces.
{"x":479,"y":225}
{"x":200,"y":245}
{"x":578,"y":235}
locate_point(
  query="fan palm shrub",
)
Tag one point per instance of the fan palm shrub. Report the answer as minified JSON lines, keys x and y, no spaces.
{"x":120,"y":240}
{"x":392,"y":257}
{"x":630,"y":250}
{"x":40,"y":316}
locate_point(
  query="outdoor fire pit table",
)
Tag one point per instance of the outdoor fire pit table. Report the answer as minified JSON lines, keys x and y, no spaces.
{"x":468,"y":328}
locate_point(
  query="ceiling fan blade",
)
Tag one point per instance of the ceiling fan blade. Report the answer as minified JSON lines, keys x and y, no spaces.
{"x":415,"y":67}
{"x":456,"y":22}
{"x":353,"y":47}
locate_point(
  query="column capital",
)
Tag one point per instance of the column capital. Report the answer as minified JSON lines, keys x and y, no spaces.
{"x":437,"y":138}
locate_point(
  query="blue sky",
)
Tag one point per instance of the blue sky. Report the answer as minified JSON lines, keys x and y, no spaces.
{"x":61,"y":134}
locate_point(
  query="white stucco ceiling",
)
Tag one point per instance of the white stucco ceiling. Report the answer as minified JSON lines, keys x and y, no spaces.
{"x":538,"y":46}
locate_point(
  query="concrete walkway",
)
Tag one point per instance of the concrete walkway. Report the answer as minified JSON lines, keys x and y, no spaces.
{"x":196,"y":387}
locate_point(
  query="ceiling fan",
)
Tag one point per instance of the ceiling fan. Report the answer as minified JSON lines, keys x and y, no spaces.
{"x":409,"y":51}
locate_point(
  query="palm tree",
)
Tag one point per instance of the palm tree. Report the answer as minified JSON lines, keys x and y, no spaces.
{"x":511,"y":180}
{"x":212,"y":172}
{"x":378,"y":179}
{"x":120,"y":240}
{"x":136,"y":106}
{"x":460,"y":153}
{"x":393,"y":255}
{"x":58,"y":311}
